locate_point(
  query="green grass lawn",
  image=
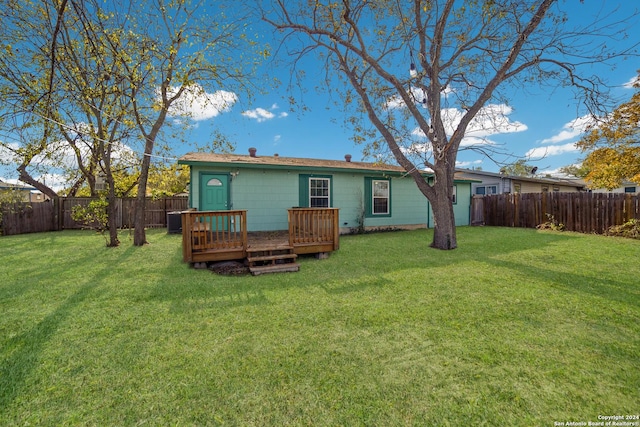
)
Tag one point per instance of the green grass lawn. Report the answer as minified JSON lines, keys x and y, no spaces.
{"x":516,"y":327}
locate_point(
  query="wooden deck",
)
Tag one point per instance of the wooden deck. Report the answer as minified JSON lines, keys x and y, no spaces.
{"x":209,"y":236}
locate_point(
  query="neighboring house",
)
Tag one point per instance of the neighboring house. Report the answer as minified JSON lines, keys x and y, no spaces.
{"x":29,"y":194}
{"x":497,"y":183}
{"x":368,"y":195}
{"x":627,"y":187}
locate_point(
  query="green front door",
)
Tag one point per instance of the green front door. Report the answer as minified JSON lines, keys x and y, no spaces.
{"x":214,"y":192}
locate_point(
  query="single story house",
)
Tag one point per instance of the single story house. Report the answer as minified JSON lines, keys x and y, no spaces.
{"x":627,"y":187}
{"x":27,"y":192}
{"x":498,"y":183}
{"x":369,"y":196}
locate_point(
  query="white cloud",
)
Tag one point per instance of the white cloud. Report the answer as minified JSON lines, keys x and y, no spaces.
{"x":277,"y":138}
{"x":474,"y":141}
{"x":465,"y":165}
{"x":197,"y":104}
{"x":261,"y":114}
{"x":54,"y":181}
{"x":571,"y":130}
{"x":633,"y":80}
{"x":551,"y":150}
{"x":394,"y":102}
{"x":490,"y":120}
{"x":7,"y":155}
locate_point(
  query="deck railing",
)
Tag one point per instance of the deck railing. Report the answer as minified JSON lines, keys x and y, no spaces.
{"x":314,"y":229}
{"x":221,"y":235}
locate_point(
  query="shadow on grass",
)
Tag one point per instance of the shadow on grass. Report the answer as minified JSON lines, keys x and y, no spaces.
{"x":607,"y":288}
{"x":205,"y":289}
{"x":23,"y":359}
{"x":358,"y":265}
{"x":217,"y":299}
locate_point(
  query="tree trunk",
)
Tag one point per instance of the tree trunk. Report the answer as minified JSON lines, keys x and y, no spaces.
{"x":112,"y":219}
{"x":139,"y":234}
{"x":444,"y":229}
{"x":28,"y":179}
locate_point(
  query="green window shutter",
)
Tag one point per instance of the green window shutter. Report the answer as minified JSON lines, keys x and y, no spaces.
{"x":303,"y":191}
{"x":368,"y":197}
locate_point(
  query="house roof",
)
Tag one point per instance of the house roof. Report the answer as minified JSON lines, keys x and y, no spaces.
{"x":23,"y":187}
{"x":280,"y":162}
{"x":473,"y":174}
{"x":284,"y":162}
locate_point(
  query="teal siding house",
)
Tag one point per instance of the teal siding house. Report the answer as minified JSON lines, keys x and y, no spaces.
{"x":369,"y":196}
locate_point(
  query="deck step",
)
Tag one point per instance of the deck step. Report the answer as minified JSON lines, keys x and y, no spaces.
{"x":264,"y":258}
{"x":278,"y":268}
{"x":274,"y":259}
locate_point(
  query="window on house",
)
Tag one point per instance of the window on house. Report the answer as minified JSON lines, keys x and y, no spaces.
{"x":629,"y":189}
{"x":517,"y":188}
{"x":545,"y":188}
{"x":319,"y":192}
{"x":454,"y":194}
{"x":486,"y":189}
{"x":380,"y":197}
{"x":315,"y":191}
{"x":377,"y":197}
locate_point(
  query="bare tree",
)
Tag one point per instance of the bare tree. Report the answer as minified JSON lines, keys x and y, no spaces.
{"x":430,"y":68}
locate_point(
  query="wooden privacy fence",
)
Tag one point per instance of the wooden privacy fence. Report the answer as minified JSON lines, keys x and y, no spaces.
{"x":22,"y":218}
{"x":56,"y":215}
{"x":581,"y":212}
{"x":155,"y":210}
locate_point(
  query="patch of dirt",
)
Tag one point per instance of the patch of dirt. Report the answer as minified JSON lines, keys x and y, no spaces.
{"x":229,"y":268}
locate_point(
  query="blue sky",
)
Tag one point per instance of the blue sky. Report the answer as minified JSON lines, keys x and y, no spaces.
{"x":541,"y":126}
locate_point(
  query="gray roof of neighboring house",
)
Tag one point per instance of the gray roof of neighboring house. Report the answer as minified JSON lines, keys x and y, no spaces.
{"x":469,"y":173}
{"x":23,"y":187}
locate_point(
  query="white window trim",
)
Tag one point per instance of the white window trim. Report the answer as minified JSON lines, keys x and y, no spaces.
{"x":374,"y":197}
{"x":327,"y":197}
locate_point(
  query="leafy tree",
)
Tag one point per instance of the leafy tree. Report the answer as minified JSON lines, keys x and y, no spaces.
{"x":519,"y":168}
{"x":28,"y":36}
{"x":613,"y":146}
{"x":168,"y":180}
{"x":178,"y":51}
{"x":89,"y":77}
{"x":433,"y":67}
{"x":579,"y":170}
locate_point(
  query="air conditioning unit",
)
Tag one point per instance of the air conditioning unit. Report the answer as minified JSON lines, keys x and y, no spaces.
{"x":174,"y":222}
